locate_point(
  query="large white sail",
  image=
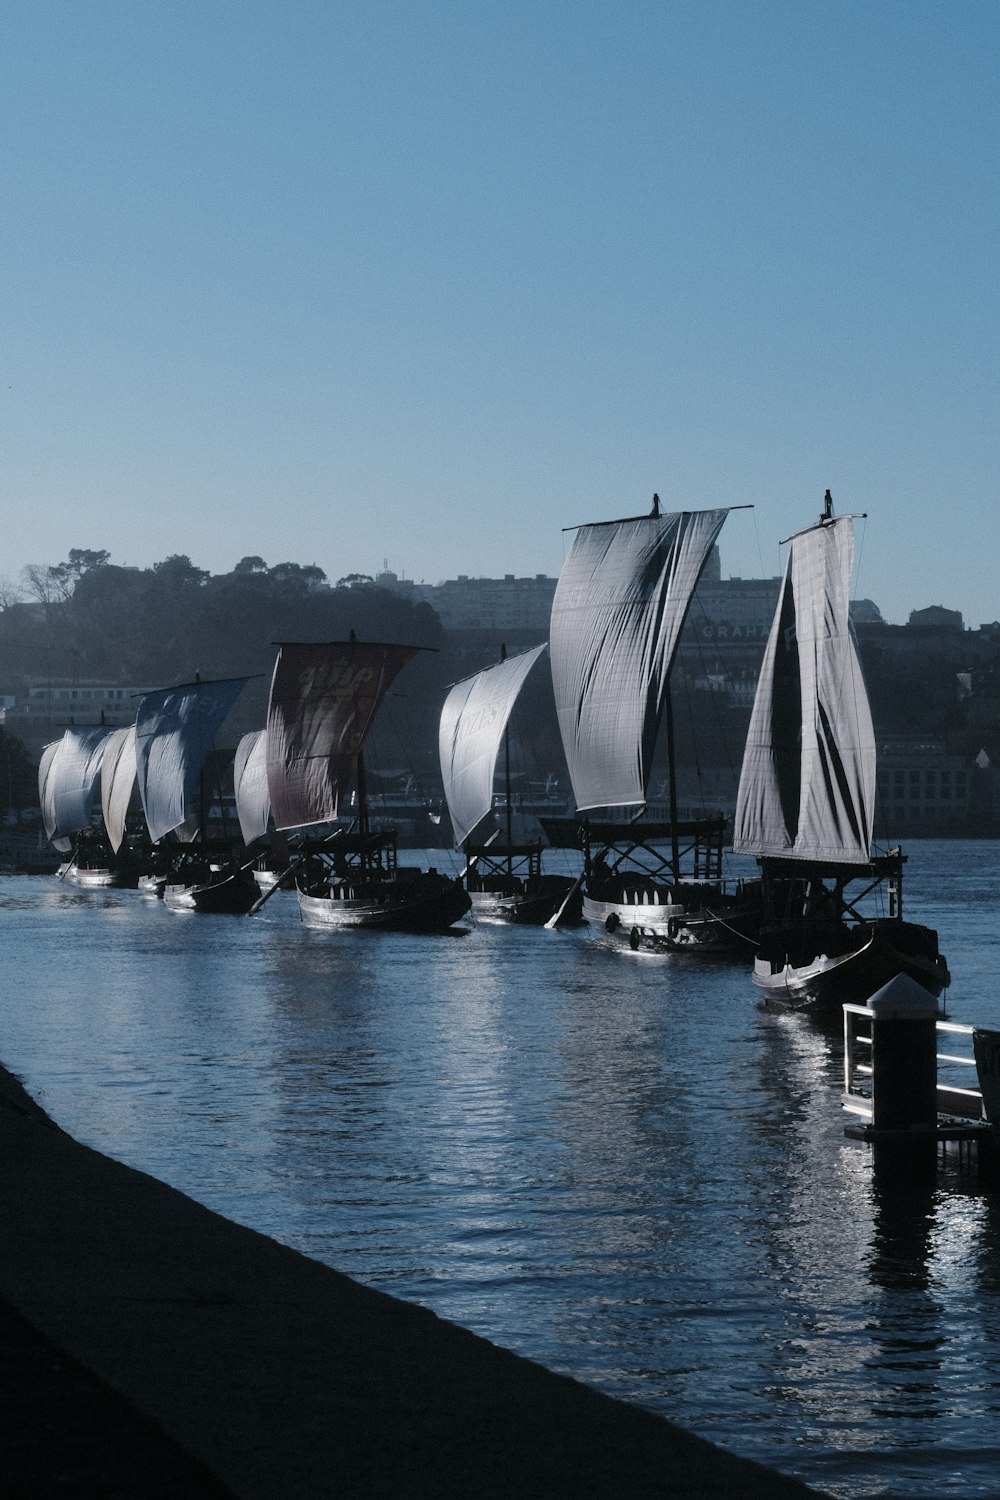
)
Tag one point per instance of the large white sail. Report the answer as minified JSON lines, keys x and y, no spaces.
{"x":46,"y":789}
{"x":473,"y":720}
{"x":323,"y":699}
{"x":118,"y":782}
{"x":253,"y":800}
{"x":70,"y":781}
{"x":174,"y":730}
{"x":619,"y":606}
{"x":807,"y":788}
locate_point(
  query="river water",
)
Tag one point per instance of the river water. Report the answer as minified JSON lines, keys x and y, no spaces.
{"x":614,"y":1163}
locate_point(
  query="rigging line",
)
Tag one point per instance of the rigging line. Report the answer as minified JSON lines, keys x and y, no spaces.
{"x":760,"y":550}
{"x":689,"y":705}
{"x":753,"y":942}
{"x":878,"y":805}
{"x":389,"y":713}
{"x":721,"y":735}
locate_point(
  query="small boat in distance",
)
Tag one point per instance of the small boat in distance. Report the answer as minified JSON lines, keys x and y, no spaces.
{"x":174,"y":731}
{"x":806,"y":799}
{"x":69,"y":776}
{"x":324,"y":697}
{"x":619,"y":607}
{"x":253,"y":809}
{"x":504,"y":879}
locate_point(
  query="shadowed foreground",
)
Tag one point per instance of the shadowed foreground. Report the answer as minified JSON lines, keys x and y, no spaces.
{"x":270,"y":1372}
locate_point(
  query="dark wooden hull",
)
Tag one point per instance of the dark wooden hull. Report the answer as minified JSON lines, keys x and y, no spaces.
{"x":531,"y":907}
{"x":424,"y":901}
{"x":99,"y":879}
{"x":828,"y":981}
{"x":232,"y":894}
{"x":654,"y":921}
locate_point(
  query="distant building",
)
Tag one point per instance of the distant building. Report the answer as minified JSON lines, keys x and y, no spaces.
{"x":922,"y":790}
{"x":936,"y":617}
{"x":488,"y":604}
{"x":49,"y":709}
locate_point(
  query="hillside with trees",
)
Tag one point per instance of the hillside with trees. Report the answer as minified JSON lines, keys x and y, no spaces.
{"x":89,"y":620}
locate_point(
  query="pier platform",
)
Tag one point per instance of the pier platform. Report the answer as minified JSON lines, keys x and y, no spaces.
{"x":144,"y":1334}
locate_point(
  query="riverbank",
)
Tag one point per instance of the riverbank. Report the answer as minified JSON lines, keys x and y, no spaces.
{"x":282,"y":1378}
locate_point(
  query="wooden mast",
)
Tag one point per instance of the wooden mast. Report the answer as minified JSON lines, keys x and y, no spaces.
{"x":506,"y":775}
{"x":359,"y":771}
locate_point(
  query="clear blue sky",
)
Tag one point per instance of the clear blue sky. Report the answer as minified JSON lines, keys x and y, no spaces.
{"x":346,"y":283}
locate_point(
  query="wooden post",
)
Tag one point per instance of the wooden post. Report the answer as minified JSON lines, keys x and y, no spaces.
{"x":904,"y":1057}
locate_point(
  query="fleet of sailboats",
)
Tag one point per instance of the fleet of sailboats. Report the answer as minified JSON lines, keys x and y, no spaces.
{"x":823,"y":920}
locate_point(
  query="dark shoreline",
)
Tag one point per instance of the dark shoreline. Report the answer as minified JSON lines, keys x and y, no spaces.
{"x":270,"y":1375}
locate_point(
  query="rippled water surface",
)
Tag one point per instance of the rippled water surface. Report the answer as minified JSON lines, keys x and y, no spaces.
{"x":616,"y":1164}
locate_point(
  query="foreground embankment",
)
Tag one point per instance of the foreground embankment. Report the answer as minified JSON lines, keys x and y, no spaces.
{"x":286,"y":1379}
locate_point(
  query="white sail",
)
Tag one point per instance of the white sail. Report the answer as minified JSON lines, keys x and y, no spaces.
{"x":118,"y":782}
{"x":807,"y":788}
{"x":323,"y":698}
{"x":473,"y":720}
{"x":46,"y":788}
{"x":619,"y":606}
{"x":174,"y":730}
{"x":253,"y":800}
{"x":70,"y":781}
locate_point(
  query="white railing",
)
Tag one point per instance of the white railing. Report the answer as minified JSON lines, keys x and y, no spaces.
{"x":952,"y":1099}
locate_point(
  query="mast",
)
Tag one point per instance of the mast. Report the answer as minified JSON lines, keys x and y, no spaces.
{"x":362,"y":781}
{"x":201,"y":788}
{"x":506,"y":777}
{"x":675,"y":846}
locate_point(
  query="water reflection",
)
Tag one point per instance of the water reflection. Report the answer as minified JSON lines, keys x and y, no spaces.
{"x":621,"y":1168}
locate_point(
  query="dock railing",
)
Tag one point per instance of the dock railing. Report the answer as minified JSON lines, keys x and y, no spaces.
{"x":953,"y":1100}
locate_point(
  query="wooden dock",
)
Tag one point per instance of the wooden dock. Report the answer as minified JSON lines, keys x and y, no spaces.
{"x":941,"y":1087}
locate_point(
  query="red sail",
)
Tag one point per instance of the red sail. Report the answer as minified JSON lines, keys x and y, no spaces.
{"x":323,"y":700}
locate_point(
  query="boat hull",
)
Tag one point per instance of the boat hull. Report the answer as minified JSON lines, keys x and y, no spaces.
{"x":232,"y":894}
{"x":722,"y":924}
{"x":830,"y":981}
{"x":425,"y":903}
{"x":95,"y":880}
{"x":531,"y":907}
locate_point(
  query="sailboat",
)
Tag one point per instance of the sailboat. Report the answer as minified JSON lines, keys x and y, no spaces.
{"x":69,"y":778}
{"x":324,"y":697}
{"x":504,"y":879}
{"x":620,"y":603}
{"x":123,"y":817}
{"x":124,"y":824}
{"x":174,"y":731}
{"x":253,"y":809}
{"x":806,"y":799}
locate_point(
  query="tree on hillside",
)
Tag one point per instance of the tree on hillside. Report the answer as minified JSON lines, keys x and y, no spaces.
{"x":38,"y":583}
{"x":81,"y":560}
{"x":178,"y":572}
{"x":18,"y":774}
{"x":296,"y":576}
